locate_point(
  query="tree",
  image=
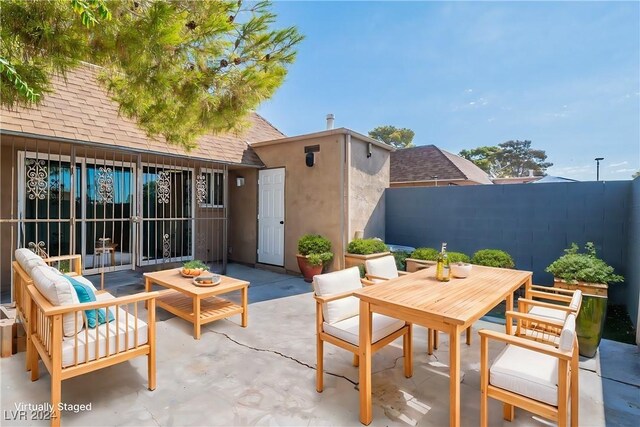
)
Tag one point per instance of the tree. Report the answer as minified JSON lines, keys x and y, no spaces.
{"x":180,"y":69}
{"x":391,"y":135}
{"x":509,"y":159}
{"x":635,"y":175}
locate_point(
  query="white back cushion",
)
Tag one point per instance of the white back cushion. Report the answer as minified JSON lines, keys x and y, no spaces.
{"x":335,"y":283}
{"x":384,"y":267}
{"x":28,"y":259}
{"x":58,"y":291}
{"x":576,"y":300}
{"x":568,"y":333}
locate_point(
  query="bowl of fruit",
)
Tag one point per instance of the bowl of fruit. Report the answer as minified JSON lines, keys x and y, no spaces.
{"x":193,"y":268}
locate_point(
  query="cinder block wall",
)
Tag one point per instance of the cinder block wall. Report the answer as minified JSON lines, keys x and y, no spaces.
{"x":533,"y":222}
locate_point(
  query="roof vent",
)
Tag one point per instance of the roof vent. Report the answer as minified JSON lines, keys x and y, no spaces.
{"x":330,"y":119}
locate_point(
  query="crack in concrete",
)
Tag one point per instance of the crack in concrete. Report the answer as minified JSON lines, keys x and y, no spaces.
{"x":266,"y":350}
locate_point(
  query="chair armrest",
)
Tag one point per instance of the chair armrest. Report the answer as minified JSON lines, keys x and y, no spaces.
{"x":549,"y":296}
{"x":551,"y":289}
{"x":333,"y":297}
{"x":49,"y":310}
{"x":366,"y":282}
{"x":373,"y":276}
{"x":403,"y":273}
{"x":546,"y":305}
{"x":547,"y":349}
{"x":533,"y":318}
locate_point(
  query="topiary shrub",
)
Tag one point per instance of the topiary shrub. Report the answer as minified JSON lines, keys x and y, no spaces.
{"x":401,"y":260}
{"x":316,"y":248}
{"x":427,"y":254}
{"x":458,"y":257}
{"x":584,"y":267}
{"x":493,"y":258}
{"x":366,"y":247}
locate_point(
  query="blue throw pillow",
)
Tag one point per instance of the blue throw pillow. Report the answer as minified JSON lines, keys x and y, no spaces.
{"x":86,"y":294}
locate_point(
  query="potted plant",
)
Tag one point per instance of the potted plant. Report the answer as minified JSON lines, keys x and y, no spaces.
{"x":421,"y":258}
{"x":590,"y":274}
{"x":493,"y":258}
{"x":361,"y":250}
{"x":314,"y":251}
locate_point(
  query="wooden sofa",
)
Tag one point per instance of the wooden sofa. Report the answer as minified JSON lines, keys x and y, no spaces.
{"x":84,"y":349}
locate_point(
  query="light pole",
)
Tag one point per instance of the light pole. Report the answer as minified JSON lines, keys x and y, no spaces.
{"x":597,"y":159}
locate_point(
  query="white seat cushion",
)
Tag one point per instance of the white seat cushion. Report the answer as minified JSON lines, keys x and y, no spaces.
{"x":335,"y":283}
{"x":549,"y":313}
{"x":58,"y":291}
{"x":384,"y":267}
{"x":28,"y":259}
{"x":120,"y":328}
{"x":349,"y":329}
{"x":568,"y":334}
{"x":527,"y":373}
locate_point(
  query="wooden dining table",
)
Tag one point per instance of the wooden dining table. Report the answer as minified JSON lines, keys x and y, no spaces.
{"x":450,"y":307}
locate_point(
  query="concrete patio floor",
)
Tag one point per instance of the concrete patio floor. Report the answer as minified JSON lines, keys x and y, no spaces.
{"x":265,"y":375}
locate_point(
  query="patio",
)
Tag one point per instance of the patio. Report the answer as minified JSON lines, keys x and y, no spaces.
{"x":264,"y":375}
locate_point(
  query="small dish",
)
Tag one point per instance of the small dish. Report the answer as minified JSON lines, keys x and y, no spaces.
{"x":208,"y":281}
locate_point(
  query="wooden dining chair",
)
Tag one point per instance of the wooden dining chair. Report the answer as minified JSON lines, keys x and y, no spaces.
{"x":338,"y":320}
{"x":551,"y":303}
{"x":539,"y":377}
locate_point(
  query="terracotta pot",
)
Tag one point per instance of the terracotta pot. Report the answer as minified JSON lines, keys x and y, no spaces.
{"x":308,"y":270}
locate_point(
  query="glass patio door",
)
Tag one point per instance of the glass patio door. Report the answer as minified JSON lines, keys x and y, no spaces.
{"x":108,"y":201}
{"x":167,"y":215}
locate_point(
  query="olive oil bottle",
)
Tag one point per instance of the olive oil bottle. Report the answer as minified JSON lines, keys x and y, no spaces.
{"x":443,"y":270}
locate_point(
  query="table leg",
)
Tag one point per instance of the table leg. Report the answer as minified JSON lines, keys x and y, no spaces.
{"x":509,"y":307}
{"x":365,"y":363}
{"x":196,"y":317}
{"x":147,"y":288}
{"x":454,"y":376}
{"x":113,"y":258}
{"x":245,"y":312}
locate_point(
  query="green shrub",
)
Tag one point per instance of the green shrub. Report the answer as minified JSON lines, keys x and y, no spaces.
{"x":362,"y":270}
{"x":427,"y":254}
{"x":366,"y":247}
{"x":313,"y":244}
{"x":458,"y":257}
{"x":401,"y":257}
{"x":493,"y":258}
{"x":584,"y":267}
{"x":316,"y":248}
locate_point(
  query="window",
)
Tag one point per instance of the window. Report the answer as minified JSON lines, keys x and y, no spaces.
{"x":210,"y":189}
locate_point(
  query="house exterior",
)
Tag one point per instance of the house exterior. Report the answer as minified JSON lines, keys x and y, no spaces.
{"x":75,"y":177}
{"x":429,"y":166}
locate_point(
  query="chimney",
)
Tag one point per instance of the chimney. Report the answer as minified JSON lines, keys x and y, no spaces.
{"x":531,"y":173}
{"x":330,"y":118}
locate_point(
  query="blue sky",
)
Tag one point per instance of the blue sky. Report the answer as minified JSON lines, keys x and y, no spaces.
{"x":565,"y":75}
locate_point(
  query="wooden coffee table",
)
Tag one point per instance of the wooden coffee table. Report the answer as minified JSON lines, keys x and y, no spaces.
{"x":196,"y":304}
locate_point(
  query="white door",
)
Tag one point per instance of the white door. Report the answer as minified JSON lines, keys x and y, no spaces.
{"x":271,"y":217}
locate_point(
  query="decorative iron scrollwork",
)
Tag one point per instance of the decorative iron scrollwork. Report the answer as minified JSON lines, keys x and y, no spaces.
{"x":39,"y":249}
{"x":201,"y":188}
{"x":37,"y":179}
{"x":104,"y":184}
{"x":163,"y":187}
{"x":166,"y":246}
{"x":54,"y":190}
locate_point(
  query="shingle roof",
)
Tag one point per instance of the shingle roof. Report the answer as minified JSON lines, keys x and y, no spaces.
{"x":80,"y":109}
{"x":424,"y":162}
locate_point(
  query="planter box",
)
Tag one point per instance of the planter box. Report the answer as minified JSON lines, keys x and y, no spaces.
{"x":414,"y":265}
{"x":597,"y":289}
{"x":354,"y":260}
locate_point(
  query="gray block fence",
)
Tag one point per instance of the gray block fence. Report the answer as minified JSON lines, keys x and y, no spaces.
{"x":533,"y":222}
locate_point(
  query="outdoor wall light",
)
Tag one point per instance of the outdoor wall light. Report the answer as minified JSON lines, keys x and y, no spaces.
{"x":309,"y":159}
{"x":240,"y":181}
{"x":369,"y":150}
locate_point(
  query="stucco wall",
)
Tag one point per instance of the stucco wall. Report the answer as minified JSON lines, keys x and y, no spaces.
{"x":243,"y":211}
{"x":312,"y":194}
{"x":368,"y":180}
